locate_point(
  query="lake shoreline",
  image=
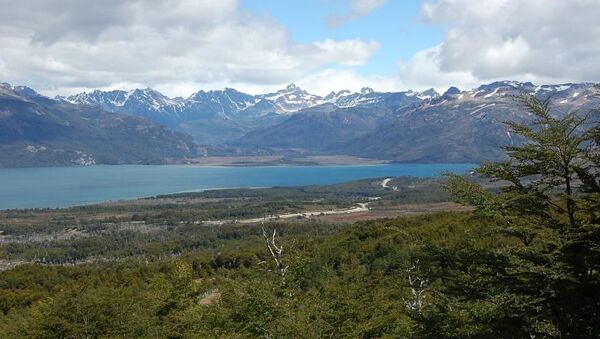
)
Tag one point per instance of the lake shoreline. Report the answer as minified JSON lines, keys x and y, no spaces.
{"x":58,"y":187}
{"x":258,"y":161}
{"x":280,"y":160}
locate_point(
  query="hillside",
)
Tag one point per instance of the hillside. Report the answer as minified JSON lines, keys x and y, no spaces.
{"x":408,"y":126}
{"x":342,"y":281}
{"x":458,"y":126}
{"x":37,"y":131}
{"x":223,"y":116}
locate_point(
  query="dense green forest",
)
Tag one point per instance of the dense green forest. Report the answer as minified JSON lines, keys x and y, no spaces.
{"x":354,"y":282}
{"x":525,"y":263}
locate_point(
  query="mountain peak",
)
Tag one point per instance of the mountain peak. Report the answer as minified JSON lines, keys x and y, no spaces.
{"x":26,"y":91}
{"x":6,"y":89}
{"x":430,"y":91}
{"x":146,"y":92}
{"x":498,"y":84}
{"x":329,"y":96}
{"x":506,"y":84}
{"x":292,"y":87}
{"x":366,"y":90}
{"x":427,"y":94}
{"x":451,"y":91}
{"x":333,"y":96}
{"x":22,"y":91}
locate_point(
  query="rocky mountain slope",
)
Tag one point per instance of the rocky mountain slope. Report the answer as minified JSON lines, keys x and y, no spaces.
{"x":217,"y":117}
{"x":457,"y":126}
{"x":466,"y":126}
{"x":38,"y":131}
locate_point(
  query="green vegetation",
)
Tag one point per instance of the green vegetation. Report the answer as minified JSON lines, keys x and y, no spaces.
{"x":348,"y":282}
{"x":524,"y":264}
{"x":551,"y":205}
{"x":175,"y":224}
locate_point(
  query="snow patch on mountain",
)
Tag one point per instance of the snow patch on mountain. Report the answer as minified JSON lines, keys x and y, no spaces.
{"x":230,"y":104}
{"x":292,"y":99}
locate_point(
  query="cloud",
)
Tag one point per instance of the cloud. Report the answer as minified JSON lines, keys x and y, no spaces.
{"x":332,"y":79}
{"x":69,"y":45}
{"x":180,"y":46}
{"x":358,"y":9}
{"x":364,"y":7}
{"x":423,"y":71}
{"x":352,"y":52}
{"x":50,"y":21}
{"x":537,"y":40}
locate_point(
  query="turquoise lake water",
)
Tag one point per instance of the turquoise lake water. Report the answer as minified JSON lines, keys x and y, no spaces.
{"x":69,"y":186}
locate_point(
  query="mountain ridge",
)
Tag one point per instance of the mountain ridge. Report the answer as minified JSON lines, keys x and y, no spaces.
{"x":408,"y":126}
{"x":36,"y":131}
{"x":222,"y":116}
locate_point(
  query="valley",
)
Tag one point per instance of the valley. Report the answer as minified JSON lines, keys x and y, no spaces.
{"x":423,"y":169}
{"x":168,"y":225}
{"x":419,"y":169}
{"x":469,"y":254}
{"x":290,"y":126}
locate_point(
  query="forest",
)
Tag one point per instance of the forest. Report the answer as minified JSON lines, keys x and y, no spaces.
{"x":522,"y":261}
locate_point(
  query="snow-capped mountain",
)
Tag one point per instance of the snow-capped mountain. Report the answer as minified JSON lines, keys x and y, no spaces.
{"x":98,"y":97}
{"x":346,"y":98}
{"x":368,"y":97}
{"x":230,"y":103}
{"x":458,"y":125}
{"x":227,"y":103}
{"x":292,"y":99}
{"x":223,"y":104}
{"x":38,"y":131}
{"x":425,"y":95}
{"x":226,"y":116}
{"x":110,"y":100}
{"x":562,"y":96}
{"x":219,"y":115}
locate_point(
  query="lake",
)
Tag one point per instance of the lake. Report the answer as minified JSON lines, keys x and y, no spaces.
{"x":52,"y":187}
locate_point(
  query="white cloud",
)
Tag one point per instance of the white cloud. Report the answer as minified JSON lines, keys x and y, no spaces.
{"x":535,"y":40}
{"x":361,"y":8}
{"x":352,"y":52}
{"x":357,"y":10}
{"x":328,"y":80}
{"x":423,"y":71}
{"x":180,"y":46}
{"x":69,"y":45}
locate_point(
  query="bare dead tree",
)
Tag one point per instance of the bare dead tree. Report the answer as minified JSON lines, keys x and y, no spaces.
{"x":275,"y":250}
{"x":418,"y":286}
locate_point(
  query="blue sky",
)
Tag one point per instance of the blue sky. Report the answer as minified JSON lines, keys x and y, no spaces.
{"x":397,"y":26}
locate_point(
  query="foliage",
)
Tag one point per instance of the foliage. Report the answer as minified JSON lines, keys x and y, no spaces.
{"x":352,"y":282}
{"x":549,"y":203}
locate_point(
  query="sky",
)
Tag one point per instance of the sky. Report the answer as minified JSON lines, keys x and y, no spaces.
{"x":181,"y":46}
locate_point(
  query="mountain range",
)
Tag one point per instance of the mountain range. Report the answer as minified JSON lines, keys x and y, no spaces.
{"x":408,"y":126}
{"x":38,"y":131}
{"x":222,"y":116}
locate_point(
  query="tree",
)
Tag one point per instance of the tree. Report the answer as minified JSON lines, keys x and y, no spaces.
{"x":549,"y":202}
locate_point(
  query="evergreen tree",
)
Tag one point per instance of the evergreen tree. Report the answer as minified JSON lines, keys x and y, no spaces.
{"x":549,"y":201}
